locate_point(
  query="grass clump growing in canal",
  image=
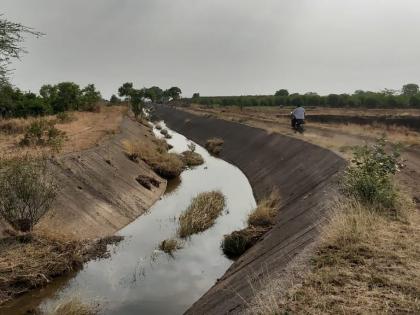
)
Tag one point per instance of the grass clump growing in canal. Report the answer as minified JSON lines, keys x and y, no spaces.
{"x":170,"y":245}
{"x":214,"y":145}
{"x":190,"y":157}
{"x":32,"y":260}
{"x":201,"y":213}
{"x":265,"y":212}
{"x":167,"y":165}
{"x":236,"y":243}
{"x":260,"y":221}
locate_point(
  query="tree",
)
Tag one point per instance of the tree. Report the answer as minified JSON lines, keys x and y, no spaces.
{"x":282,"y":92}
{"x":136,"y":100}
{"x":90,"y":97}
{"x":174,"y":92}
{"x":154,"y":94}
{"x":125,"y":90}
{"x":11,"y":38}
{"x":196,"y":95}
{"x":68,"y":97}
{"x":114,"y":99}
{"x":410,"y":89}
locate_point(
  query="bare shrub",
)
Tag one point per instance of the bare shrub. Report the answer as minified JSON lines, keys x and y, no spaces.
{"x":214,"y":145}
{"x":201,"y":213}
{"x":27,"y":191}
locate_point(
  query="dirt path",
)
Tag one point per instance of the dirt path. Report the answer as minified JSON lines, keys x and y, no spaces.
{"x":303,"y":173}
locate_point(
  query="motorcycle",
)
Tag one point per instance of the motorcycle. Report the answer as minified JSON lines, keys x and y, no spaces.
{"x":297,"y":124}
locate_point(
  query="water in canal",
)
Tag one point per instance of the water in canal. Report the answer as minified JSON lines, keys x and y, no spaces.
{"x":138,"y":278}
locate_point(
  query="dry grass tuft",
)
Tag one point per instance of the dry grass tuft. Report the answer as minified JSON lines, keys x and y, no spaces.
{"x":33,"y":260}
{"x":266,"y":211}
{"x":192,"y":158}
{"x":214,"y":145}
{"x":14,"y":125}
{"x":167,"y":165}
{"x":237,"y":242}
{"x":170,"y":245}
{"x":75,"y":307}
{"x":201,"y":213}
{"x":365,"y":263}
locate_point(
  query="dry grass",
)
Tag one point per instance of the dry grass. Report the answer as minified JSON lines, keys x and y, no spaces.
{"x":366,"y":263}
{"x":83,"y":130}
{"x":33,"y":260}
{"x":201,"y":213}
{"x":266,"y":211}
{"x":214,"y":145}
{"x":237,"y":242}
{"x":170,"y":245}
{"x":260,"y":220}
{"x":74,"y":307}
{"x":167,"y":165}
{"x":192,"y":158}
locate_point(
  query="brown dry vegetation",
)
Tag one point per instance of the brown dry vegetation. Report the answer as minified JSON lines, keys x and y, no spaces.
{"x":201,"y":213}
{"x":170,"y":245}
{"x":192,"y":158}
{"x":153,"y":153}
{"x":214,"y":145}
{"x":33,"y":260}
{"x":83,"y":130}
{"x":365,"y":262}
{"x":260,"y":220}
{"x":265,"y":212}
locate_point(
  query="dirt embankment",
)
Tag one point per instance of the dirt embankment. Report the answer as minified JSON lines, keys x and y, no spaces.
{"x":303,"y":173}
{"x":99,"y":192}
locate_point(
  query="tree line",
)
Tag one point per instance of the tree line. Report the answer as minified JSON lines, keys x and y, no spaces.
{"x":409,"y":96}
{"x":52,"y":99}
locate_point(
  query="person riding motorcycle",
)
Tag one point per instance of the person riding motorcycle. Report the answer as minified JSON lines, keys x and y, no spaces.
{"x":297,"y":117}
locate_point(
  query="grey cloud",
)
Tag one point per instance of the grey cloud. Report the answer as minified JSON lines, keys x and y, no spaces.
{"x":221,"y":47}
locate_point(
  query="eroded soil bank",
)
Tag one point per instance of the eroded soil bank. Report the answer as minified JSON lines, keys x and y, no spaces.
{"x":304,"y":175}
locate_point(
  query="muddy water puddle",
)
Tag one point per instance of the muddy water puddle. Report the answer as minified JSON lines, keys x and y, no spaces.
{"x":140,"y":279}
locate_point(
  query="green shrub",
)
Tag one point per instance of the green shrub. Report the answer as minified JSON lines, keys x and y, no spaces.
{"x":27,"y":191}
{"x":369,"y":177}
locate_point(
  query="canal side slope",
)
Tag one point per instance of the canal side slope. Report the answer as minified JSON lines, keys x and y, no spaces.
{"x":99,"y":193}
{"x":304,"y":175}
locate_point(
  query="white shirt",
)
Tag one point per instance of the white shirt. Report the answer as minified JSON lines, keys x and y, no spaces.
{"x":299,"y":113}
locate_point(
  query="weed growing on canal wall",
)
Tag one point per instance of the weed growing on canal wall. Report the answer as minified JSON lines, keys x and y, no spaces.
{"x":214,"y":145}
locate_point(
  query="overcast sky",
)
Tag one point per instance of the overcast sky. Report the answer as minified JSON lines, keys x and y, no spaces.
{"x":220,"y":47}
